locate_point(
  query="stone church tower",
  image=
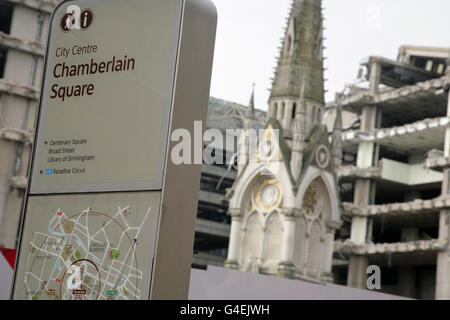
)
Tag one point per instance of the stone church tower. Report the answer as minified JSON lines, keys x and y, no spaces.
{"x":285,"y":203}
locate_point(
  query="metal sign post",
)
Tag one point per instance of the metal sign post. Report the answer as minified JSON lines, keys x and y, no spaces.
{"x":107,"y":214}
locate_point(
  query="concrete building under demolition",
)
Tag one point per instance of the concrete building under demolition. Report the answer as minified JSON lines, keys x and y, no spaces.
{"x":23,"y":36}
{"x":394,"y":175}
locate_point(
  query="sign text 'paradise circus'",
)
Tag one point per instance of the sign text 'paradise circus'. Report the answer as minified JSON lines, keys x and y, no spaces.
{"x":92,"y":67}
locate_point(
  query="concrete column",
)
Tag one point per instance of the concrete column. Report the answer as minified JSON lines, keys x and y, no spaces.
{"x":447,"y":131}
{"x":447,"y":142}
{"x":364,"y":191}
{"x":443,"y":271}
{"x":375,"y":77}
{"x":235,"y":240}
{"x":357,"y":272}
{"x":443,"y":257}
{"x":357,"y":267}
{"x":442,"y":262}
{"x":407,"y":274}
{"x":358,"y":230}
{"x":407,"y":281}
{"x":286,"y":268}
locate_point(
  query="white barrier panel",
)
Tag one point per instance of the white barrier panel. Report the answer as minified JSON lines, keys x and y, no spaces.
{"x":224,"y":284}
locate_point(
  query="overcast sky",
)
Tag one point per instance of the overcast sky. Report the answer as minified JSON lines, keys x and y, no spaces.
{"x":249,"y":33}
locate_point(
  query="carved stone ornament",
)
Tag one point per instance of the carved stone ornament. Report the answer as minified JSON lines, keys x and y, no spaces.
{"x":322,"y":157}
{"x":312,"y":203}
{"x":268,"y":194}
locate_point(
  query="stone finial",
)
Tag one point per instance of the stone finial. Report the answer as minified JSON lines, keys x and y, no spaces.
{"x":251,"y":105}
{"x":250,"y":114}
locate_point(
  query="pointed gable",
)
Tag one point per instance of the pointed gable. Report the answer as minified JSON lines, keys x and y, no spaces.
{"x":284,"y":149}
{"x":318,"y":152}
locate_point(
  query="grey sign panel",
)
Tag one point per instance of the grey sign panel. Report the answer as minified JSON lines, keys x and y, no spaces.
{"x":104,"y":200}
{"x":107,"y":97}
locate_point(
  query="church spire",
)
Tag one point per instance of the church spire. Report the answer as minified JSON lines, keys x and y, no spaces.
{"x":300,"y":64}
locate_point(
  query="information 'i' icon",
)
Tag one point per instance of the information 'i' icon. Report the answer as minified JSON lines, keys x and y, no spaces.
{"x":86,"y":18}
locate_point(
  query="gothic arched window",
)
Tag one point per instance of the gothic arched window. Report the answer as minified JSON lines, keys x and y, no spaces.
{"x":282,"y":110}
{"x":294,"y":110}
{"x":299,"y":242}
{"x":289,"y":45}
{"x":272,"y":238}
{"x":253,"y":238}
{"x":314,"y":114}
{"x":310,"y":227}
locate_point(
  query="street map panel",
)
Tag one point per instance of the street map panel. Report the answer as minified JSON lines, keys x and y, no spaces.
{"x":88,"y":247}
